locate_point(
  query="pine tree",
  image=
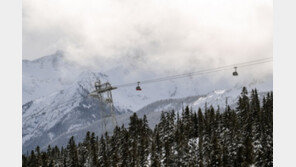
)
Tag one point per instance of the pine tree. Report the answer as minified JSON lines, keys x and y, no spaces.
{"x":38,"y":156}
{"x":155,"y":161}
{"x":84,"y":150}
{"x":144,"y":142}
{"x":167,"y":136}
{"x":188,"y":124}
{"x":158,"y":145}
{"x":168,"y":161}
{"x":125,"y":153}
{"x":94,"y":150}
{"x":248,"y":152}
{"x":195,"y":125}
{"x":115,"y":147}
{"x":200,"y":137}
{"x":44,"y":160}
{"x":134,"y":130}
{"x":235,"y":136}
{"x":24,"y":161}
{"x":243,"y":105}
{"x":225,"y":157}
{"x":49,"y":150}
{"x":255,"y":105}
{"x":65,"y":164}
{"x":179,"y":142}
{"x":33,"y":160}
{"x":72,"y":150}
{"x":267,"y":135}
{"x":215,"y":155}
{"x":103,"y":153}
{"x":239,"y":160}
{"x":209,"y":119}
{"x":246,"y":119}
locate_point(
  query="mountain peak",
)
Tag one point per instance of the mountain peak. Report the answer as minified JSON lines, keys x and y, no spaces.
{"x":58,"y":55}
{"x":52,"y":57}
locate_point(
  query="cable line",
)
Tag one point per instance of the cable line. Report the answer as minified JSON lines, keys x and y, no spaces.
{"x":201,"y":72}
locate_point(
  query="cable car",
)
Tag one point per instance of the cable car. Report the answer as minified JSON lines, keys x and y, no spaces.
{"x":138,"y":88}
{"x":235,"y":72}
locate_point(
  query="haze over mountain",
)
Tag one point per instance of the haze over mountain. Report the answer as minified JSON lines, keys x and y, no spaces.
{"x":156,"y":36}
{"x":56,"y":104}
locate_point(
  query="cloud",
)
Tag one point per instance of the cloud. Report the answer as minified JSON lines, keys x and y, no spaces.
{"x":160,"y":35}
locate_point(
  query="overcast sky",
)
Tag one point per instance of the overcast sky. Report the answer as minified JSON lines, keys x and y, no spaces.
{"x":159,"y":33}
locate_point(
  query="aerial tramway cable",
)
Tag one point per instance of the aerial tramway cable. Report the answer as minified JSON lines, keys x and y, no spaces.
{"x":201,"y":72}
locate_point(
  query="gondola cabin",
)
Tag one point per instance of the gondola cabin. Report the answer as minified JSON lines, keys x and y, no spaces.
{"x":138,"y":88}
{"x":235,"y":72}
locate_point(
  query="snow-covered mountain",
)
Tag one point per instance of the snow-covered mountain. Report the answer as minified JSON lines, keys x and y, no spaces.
{"x":56,"y":101}
{"x":153,"y":112}
{"x":56,"y":104}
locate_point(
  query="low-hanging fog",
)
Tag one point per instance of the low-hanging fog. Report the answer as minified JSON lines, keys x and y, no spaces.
{"x":158,"y":37}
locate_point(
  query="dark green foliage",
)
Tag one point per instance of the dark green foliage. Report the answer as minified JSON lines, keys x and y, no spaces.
{"x":24,"y":161}
{"x":33,"y":160}
{"x":225,"y":157}
{"x":215,"y":155}
{"x":239,"y":137}
{"x":94,"y":150}
{"x":125,"y":145}
{"x":155,"y":160}
{"x":239,"y":160}
{"x":103,"y":152}
{"x":44,"y":160}
{"x":72,"y":153}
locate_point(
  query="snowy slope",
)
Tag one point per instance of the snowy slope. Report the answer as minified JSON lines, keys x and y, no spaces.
{"x":56,"y":101}
{"x":216,"y":99}
{"x":61,"y":112}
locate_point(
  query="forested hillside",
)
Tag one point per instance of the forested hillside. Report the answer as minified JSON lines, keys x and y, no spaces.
{"x":239,"y":137}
